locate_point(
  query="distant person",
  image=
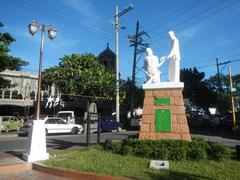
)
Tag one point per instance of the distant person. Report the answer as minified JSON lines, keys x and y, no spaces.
{"x":174,"y":57}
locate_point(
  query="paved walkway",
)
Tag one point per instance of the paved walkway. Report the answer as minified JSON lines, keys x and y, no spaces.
{"x":13,"y":168}
{"x":10,"y":158}
{"x":30,"y":175}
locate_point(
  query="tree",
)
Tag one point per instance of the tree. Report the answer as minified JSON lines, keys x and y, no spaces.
{"x":196,"y":88}
{"x":224,"y":96}
{"x":139,"y":94}
{"x":7,"y":61}
{"x":213,"y":83}
{"x":79,"y":74}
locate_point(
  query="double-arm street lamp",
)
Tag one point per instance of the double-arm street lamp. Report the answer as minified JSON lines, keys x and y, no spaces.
{"x":33,"y":27}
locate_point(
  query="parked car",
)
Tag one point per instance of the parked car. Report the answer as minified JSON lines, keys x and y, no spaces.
{"x":110,"y":125}
{"x":200,"y":121}
{"x":55,"y":125}
{"x":68,"y":116}
{"x":136,"y":121}
{"x":10,"y":123}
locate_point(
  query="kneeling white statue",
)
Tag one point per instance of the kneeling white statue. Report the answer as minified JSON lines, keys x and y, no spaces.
{"x":151,"y":65}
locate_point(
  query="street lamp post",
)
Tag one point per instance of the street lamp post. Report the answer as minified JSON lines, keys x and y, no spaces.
{"x":36,"y":145}
{"x":51,"y":34}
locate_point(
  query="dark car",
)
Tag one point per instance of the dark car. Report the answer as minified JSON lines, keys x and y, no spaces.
{"x":200,"y":121}
{"x":110,"y":125}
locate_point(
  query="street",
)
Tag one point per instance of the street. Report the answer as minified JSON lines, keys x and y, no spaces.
{"x":66,"y":141}
{"x":61,"y":142}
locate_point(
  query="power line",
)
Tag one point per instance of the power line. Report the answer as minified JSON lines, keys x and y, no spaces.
{"x":178,"y":13}
{"x":97,"y":32}
{"x":206,"y":17}
{"x":59,"y":12}
{"x":209,"y":15}
{"x":194,"y":17}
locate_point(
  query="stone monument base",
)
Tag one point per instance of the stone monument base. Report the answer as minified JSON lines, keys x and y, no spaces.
{"x":36,"y":144}
{"x":164,"y":112}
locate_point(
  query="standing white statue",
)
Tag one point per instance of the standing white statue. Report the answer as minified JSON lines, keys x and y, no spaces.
{"x":174,"y":57}
{"x":56,"y":102}
{"x":151,"y":65}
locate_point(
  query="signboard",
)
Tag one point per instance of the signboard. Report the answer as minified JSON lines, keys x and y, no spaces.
{"x":93,"y":112}
{"x":163,"y":120}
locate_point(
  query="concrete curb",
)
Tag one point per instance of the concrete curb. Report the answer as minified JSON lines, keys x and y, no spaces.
{"x":8,"y":135}
{"x":15,"y":168}
{"x":72,"y":174}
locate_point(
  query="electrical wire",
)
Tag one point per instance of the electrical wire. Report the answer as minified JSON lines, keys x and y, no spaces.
{"x":206,"y":17}
{"x":96,"y":32}
{"x":178,"y":13}
{"x":215,"y":6}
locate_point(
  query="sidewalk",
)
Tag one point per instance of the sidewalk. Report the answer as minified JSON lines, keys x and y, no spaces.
{"x":12,"y":167}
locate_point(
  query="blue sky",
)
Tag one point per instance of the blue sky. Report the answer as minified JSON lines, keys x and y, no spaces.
{"x":206,"y":29}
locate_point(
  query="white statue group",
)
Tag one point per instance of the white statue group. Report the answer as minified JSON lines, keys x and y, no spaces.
{"x":151,"y":63}
{"x":51,"y":102}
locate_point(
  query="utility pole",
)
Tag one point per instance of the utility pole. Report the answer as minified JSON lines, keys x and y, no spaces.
{"x":231,"y":91}
{"x":136,"y":40}
{"x":134,"y":71}
{"x":116,"y":24}
{"x":219,"y":80}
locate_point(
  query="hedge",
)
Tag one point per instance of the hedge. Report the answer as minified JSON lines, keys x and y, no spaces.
{"x":196,"y":150}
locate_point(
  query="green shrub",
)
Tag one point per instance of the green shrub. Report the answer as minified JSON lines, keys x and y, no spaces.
{"x":178,"y":153}
{"x":114,"y":147}
{"x":219,"y":152}
{"x":199,"y":142}
{"x":236,"y":130}
{"x":161,"y":153}
{"x":197,"y":154}
{"x":198,"y":149}
{"x":138,"y":147}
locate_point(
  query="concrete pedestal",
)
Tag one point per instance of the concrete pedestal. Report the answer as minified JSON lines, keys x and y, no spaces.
{"x":36,"y":145}
{"x":164,"y":112}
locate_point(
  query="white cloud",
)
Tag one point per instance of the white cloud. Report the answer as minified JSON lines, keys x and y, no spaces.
{"x":189,"y":33}
{"x":85,"y":8}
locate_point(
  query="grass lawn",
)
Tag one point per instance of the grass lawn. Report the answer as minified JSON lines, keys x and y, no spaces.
{"x":96,"y":160}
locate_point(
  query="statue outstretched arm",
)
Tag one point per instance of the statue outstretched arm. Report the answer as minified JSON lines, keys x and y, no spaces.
{"x":162,"y":60}
{"x":171,"y":54}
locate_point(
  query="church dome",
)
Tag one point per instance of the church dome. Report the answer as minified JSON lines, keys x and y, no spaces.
{"x":107,"y":58}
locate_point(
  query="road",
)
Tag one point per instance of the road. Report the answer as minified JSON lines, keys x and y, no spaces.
{"x":60,"y":142}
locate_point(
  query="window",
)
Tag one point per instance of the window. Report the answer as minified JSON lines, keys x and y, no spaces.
{"x":19,"y":96}
{"x":105,"y":63}
{"x":112,"y":63}
{"x":14,"y":94}
{"x":7,"y":94}
{"x":60,"y":121}
{"x":32,"y":95}
{"x":51,"y":121}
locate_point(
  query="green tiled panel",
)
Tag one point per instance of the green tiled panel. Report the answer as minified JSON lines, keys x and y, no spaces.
{"x":163,"y":120}
{"x":161,"y":101}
